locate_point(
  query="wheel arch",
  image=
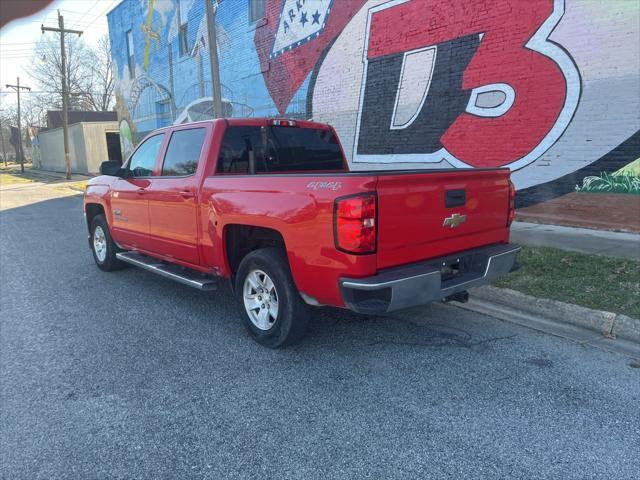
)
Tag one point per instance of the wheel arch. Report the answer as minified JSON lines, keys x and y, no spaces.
{"x":92,"y":210}
{"x":240,"y":239}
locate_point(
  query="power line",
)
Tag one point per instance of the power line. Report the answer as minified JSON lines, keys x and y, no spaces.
{"x":101,"y":14}
{"x":31,"y":21}
{"x":39,"y":22}
{"x":15,"y":51}
{"x":18,"y":43}
{"x":76,"y":12}
{"x":83,"y":92}
{"x":87,"y":11}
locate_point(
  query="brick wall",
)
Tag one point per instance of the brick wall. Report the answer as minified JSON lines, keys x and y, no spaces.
{"x":549,"y":88}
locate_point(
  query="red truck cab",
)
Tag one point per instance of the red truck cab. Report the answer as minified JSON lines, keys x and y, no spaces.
{"x":271,"y":205}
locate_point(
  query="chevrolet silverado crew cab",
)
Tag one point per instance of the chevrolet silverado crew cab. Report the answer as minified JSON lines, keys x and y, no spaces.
{"x":271,"y":205}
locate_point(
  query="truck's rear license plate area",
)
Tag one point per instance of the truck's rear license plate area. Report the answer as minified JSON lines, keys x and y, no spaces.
{"x":450,"y":270}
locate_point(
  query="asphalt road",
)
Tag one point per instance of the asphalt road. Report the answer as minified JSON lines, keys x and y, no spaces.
{"x":128,"y":375}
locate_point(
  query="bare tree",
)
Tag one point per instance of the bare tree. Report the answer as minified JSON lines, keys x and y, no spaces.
{"x":8,"y":118}
{"x":46,"y":70}
{"x":9,"y":115}
{"x":89,"y":73}
{"x":100,"y":93}
{"x":34,"y":110}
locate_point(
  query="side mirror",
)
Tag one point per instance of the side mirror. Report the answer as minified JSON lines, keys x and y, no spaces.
{"x":111,"y":168}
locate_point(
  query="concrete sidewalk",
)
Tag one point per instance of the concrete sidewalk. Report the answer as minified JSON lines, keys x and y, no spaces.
{"x":595,"y":242}
{"x":75,"y":177}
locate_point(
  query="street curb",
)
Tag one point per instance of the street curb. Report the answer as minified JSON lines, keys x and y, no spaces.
{"x":54,"y":175}
{"x":37,"y":175}
{"x":525,"y":309}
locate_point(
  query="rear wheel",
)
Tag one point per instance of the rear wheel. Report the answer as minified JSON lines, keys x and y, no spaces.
{"x":103,"y":247}
{"x":271,"y":307}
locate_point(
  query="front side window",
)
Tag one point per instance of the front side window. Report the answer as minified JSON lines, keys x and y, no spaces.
{"x":183,"y":152}
{"x":143,"y":160}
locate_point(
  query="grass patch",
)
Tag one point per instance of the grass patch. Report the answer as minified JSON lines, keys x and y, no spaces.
{"x":593,"y":281}
{"x":12,"y":167}
{"x":7,"y":178}
{"x":608,"y":183}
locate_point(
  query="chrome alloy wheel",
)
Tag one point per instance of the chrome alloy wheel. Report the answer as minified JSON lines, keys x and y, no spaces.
{"x":99,"y":244}
{"x":260,"y":299}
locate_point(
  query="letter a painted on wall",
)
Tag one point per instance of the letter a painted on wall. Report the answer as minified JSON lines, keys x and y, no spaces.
{"x":300,"y":22}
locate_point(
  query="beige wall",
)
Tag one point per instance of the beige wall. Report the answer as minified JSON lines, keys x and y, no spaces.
{"x":87,"y":147}
{"x":95,"y":143}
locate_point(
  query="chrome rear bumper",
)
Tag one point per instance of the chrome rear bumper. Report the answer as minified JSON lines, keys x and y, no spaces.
{"x":425,"y":282}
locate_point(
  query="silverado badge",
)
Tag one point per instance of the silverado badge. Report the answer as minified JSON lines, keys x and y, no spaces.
{"x":454,"y":220}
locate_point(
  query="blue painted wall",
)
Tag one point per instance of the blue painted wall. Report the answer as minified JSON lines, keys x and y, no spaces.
{"x":176,"y":87}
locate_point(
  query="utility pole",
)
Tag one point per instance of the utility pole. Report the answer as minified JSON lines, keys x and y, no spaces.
{"x":17,"y":88}
{"x":213,"y":59}
{"x":65,"y":92}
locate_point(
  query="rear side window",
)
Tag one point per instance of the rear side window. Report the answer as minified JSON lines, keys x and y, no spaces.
{"x":183,"y":152}
{"x":236,"y":145}
{"x":279,"y":149}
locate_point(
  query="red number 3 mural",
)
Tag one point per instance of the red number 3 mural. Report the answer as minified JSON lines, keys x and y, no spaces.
{"x":495,"y":90}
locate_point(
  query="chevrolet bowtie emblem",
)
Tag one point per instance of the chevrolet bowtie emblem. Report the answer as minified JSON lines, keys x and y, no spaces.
{"x":454,"y":220}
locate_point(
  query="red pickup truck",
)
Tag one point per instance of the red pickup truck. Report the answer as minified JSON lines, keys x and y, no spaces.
{"x":271,"y":205}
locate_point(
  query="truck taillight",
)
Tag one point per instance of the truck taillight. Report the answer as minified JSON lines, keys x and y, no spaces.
{"x":512,"y":203}
{"x":355,"y":223}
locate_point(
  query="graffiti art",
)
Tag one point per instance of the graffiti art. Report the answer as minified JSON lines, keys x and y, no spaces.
{"x":539,"y":86}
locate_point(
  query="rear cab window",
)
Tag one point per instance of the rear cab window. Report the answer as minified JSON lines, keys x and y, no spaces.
{"x":277,"y":149}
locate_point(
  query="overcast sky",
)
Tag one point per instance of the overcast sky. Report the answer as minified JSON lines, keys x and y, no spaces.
{"x":18,"y":38}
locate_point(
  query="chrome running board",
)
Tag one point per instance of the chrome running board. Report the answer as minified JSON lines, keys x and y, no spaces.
{"x":174,"y":272}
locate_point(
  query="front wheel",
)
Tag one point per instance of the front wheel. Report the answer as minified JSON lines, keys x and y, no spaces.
{"x":103,"y":247}
{"x":271,"y":307}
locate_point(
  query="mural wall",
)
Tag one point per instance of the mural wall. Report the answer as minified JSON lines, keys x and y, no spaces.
{"x":549,"y":88}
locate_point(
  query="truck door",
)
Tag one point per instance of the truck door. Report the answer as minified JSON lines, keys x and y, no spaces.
{"x":172,"y":196}
{"x":129,"y":205}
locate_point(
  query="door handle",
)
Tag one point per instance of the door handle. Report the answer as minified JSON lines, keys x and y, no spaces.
{"x":186,"y":194}
{"x":141,"y":191}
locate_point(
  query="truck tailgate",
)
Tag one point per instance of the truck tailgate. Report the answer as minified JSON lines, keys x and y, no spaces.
{"x":436,"y":213}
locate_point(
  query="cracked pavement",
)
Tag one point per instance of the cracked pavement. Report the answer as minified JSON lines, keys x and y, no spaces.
{"x":128,"y":375}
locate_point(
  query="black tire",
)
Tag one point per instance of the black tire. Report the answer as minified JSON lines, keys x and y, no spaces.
{"x":110,"y":262}
{"x":292,"y":318}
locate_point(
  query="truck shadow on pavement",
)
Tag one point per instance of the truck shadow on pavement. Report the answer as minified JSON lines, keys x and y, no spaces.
{"x":429,"y":326}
